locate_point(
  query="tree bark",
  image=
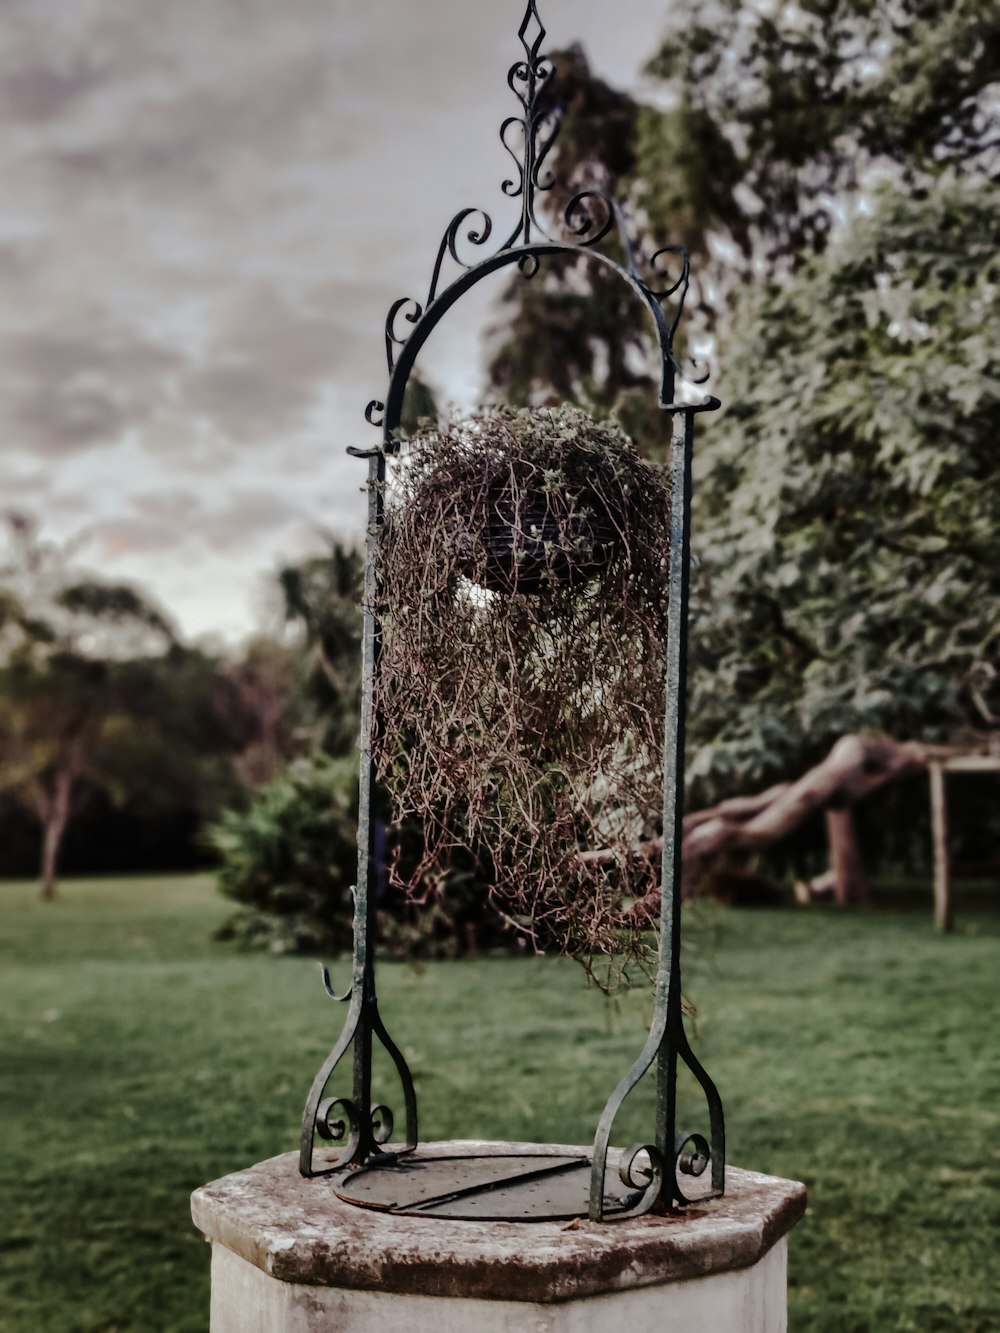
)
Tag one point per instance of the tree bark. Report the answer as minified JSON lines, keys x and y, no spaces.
{"x":850,"y":883}
{"x":54,"y":822}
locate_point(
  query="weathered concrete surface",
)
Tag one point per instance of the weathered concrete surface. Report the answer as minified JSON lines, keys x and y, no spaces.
{"x":749,"y":1300}
{"x":298,"y":1232}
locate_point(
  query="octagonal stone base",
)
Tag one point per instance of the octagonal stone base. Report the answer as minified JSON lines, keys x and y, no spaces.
{"x":288,"y":1256}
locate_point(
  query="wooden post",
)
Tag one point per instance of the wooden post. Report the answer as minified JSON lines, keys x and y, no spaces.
{"x":943,"y":917}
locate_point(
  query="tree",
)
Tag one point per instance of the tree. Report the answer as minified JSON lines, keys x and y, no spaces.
{"x":98,"y":696}
{"x":781,"y":116}
{"x":267,"y":707}
{"x":845,"y":514}
{"x":770,"y":123}
{"x":63,"y":715}
{"x":856,"y":767}
{"x":322,"y":597}
{"x":849,"y":502}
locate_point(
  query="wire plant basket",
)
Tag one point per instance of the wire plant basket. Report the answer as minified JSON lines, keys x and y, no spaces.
{"x":523,"y":599}
{"x":538,"y":521}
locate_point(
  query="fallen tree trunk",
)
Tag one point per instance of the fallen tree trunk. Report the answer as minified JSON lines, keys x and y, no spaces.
{"x":854,"y":768}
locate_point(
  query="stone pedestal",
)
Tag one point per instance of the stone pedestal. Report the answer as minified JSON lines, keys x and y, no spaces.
{"x":289,"y":1257}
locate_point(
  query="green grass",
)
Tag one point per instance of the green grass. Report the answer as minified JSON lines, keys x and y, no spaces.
{"x":857,"y":1052}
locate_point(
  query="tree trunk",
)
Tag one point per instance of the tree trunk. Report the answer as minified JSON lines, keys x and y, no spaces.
{"x":850,"y":883}
{"x":53,"y":828}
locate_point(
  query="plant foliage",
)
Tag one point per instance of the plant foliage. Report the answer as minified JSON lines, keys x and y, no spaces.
{"x":848,"y":517}
{"x":291,"y":856}
{"x":521,"y":671}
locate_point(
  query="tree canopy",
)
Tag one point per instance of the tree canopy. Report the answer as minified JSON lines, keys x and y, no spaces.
{"x":777,"y":116}
{"x":833,"y":167}
{"x":98,"y":697}
{"x":764,"y":128}
{"x":849,"y":497}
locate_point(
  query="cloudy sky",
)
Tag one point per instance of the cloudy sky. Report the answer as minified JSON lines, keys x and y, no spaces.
{"x":208,"y":206}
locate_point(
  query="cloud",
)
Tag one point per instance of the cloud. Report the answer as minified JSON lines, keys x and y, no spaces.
{"x":208,"y":208}
{"x":63,"y":389}
{"x":201,"y":135}
{"x":264,"y":367}
{"x":39,"y":92}
{"x":179,"y":507}
{"x":16,"y":485}
{"x":249,"y":516}
{"x":115,"y":538}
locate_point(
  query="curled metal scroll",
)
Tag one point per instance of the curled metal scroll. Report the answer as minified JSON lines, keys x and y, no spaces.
{"x":692,"y":1157}
{"x":328,"y":987}
{"x":582,"y":225}
{"x":338,"y":1122}
{"x":475,"y":235}
{"x":689,"y":1154}
{"x":357,"y":1131}
{"x":590,"y":217}
{"x":382,"y":1124}
{"x":641,"y":1168}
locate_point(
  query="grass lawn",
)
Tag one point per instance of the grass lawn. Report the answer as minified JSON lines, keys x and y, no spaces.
{"x":858,"y":1053}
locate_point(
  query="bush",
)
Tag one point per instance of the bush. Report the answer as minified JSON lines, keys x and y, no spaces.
{"x":290,"y":859}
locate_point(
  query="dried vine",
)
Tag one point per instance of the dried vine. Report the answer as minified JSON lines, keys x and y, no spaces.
{"x":522,"y":578}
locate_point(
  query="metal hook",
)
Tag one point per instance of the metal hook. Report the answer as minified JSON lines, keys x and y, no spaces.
{"x":328,"y":986}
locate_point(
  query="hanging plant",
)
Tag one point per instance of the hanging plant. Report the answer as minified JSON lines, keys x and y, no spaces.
{"x":523,"y":596}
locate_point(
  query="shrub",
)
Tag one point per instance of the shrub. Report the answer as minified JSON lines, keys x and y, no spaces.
{"x":290,"y":858}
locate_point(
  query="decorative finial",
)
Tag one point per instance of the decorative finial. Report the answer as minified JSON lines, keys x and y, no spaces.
{"x":588,"y":217}
{"x":531,"y":16}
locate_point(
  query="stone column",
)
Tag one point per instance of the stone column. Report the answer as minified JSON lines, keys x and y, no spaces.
{"x":288,"y":1256}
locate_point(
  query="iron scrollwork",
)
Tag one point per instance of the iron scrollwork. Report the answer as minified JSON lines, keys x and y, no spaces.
{"x":657,"y":1172}
{"x":358,"y":1129}
{"x":589,"y":218}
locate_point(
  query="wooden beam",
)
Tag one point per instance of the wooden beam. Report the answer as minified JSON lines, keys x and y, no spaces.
{"x":973,"y":763}
{"x":943,"y":916}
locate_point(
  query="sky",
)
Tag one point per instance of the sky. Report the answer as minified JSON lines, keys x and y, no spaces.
{"x":208,"y":207}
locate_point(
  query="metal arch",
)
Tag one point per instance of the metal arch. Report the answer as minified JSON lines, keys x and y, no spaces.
{"x":431,"y":316}
{"x":588,"y":218}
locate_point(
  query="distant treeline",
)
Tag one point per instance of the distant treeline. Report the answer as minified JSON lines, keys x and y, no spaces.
{"x":105,"y":839}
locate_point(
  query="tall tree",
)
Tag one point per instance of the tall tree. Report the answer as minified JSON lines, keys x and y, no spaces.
{"x":97,"y":695}
{"x":322,"y":598}
{"x":849,"y":502}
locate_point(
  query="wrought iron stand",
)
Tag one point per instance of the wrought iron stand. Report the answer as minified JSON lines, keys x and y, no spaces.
{"x":549,"y":1183}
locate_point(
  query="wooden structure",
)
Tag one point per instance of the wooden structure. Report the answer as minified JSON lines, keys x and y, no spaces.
{"x":944,"y":915}
{"x":857,"y":766}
